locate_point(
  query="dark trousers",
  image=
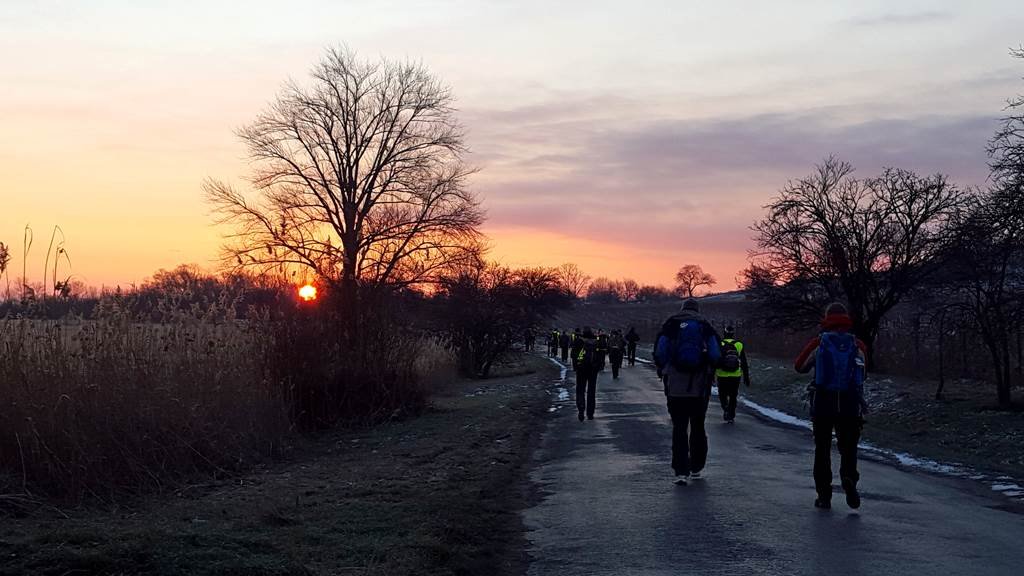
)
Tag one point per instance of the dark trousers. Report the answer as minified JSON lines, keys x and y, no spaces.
{"x":728,"y":390}
{"x":631,"y":353}
{"x":586,"y":390}
{"x":615,"y":357}
{"x":565,"y":354}
{"x":689,"y":449}
{"x":847,"y":435}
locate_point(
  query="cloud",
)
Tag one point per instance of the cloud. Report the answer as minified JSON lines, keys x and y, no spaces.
{"x":684,"y":184}
{"x":906,"y":19}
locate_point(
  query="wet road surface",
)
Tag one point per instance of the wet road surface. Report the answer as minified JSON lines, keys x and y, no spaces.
{"x":609,"y":506}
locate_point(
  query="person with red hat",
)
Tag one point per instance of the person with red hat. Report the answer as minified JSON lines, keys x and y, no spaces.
{"x":837,"y":402}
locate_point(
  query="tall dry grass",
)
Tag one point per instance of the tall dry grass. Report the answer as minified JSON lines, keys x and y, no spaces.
{"x":110,"y":405}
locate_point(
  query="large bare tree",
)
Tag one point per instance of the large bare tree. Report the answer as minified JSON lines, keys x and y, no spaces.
{"x":573,"y":280}
{"x":831,"y":236}
{"x":691,"y":277}
{"x":358,"y":176}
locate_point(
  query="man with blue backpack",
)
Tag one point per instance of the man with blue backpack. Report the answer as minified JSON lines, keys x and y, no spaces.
{"x":686,"y":354}
{"x":837,"y":402}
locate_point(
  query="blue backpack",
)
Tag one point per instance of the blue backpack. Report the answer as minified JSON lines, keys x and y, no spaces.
{"x":837,"y":364}
{"x":687,"y":347}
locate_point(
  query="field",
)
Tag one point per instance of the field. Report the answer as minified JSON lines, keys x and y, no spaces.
{"x":93,"y":408}
{"x":437,"y":494}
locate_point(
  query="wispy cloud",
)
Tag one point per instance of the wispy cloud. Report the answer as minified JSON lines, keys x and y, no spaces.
{"x":694,"y":184}
{"x":904,"y":19}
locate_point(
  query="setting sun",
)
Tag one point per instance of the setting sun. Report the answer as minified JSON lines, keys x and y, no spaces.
{"x":307,"y":292}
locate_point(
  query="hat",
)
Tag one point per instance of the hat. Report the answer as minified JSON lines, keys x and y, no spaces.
{"x":836,"y":308}
{"x":730,"y":331}
{"x":690,"y":304}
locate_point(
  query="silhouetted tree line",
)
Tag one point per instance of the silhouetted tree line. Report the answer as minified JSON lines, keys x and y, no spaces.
{"x":900,"y":237}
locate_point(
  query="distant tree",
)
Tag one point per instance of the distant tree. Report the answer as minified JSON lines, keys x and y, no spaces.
{"x":358,"y":177}
{"x":605,"y":290}
{"x":649,"y":293}
{"x":486,"y":307}
{"x":691,"y":277}
{"x":830,"y":236}
{"x":630,"y":290}
{"x":573,"y":280}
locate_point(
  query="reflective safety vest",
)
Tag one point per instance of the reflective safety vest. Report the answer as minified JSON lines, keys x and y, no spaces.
{"x":739,"y":352}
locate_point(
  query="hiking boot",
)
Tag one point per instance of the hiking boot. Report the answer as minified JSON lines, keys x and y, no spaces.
{"x":852,"y":496}
{"x":581,"y":416}
{"x":696,"y":476}
{"x":680,"y":480}
{"x":822,"y":503}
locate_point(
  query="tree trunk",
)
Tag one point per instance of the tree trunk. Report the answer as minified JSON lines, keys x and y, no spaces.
{"x":942,"y":357}
{"x":1005,"y":399}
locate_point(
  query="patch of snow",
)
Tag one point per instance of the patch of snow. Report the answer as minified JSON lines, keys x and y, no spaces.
{"x":925,"y":464}
{"x":563,"y":394}
{"x":1008,"y":489}
{"x":773,"y":414}
{"x":560,"y":365}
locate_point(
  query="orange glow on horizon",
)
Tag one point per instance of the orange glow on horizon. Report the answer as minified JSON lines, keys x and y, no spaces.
{"x":527,"y":247}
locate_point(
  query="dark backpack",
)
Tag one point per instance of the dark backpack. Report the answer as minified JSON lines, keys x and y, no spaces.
{"x":587,"y":356}
{"x":730,"y":356}
{"x":687,"y":346}
{"x":837,"y":364}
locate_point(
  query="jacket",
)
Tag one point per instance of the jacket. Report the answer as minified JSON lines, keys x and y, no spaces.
{"x":687,"y":384}
{"x":743,"y":370}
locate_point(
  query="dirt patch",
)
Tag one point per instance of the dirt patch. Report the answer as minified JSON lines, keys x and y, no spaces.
{"x":964,"y":427}
{"x":439,"y":494}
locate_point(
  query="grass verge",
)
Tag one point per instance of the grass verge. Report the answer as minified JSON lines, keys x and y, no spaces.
{"x":964,"y":427}
{"x":438,"y":494}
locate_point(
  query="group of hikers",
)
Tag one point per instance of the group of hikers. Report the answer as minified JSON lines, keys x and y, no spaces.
{"x":587,"y":352}
{"x":690,"y":356}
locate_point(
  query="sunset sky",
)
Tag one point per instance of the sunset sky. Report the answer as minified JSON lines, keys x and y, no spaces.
{"x":628,"y":137}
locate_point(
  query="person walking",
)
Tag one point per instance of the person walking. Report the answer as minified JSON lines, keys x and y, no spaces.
{"x":529,"y":338}
{"x":837,"y":402}
{"x":588,"y":365}
{"x":616,"y":352}
{"x":631,"y":339}
{"x":553,"y":343}
{"x":574,"y":347}
{"x":686,"y":355}
{"x":602,"y":347}
{"x":564,"y":340}
{"x":732,"y":367}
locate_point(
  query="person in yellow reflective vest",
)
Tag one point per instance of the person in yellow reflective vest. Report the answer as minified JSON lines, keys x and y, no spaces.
{"x":731,"y":368}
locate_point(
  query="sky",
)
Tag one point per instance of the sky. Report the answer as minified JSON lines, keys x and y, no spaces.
{"x":628,"y":137}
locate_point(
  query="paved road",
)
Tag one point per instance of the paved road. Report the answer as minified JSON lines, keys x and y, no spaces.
{"x":610,"y":508}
